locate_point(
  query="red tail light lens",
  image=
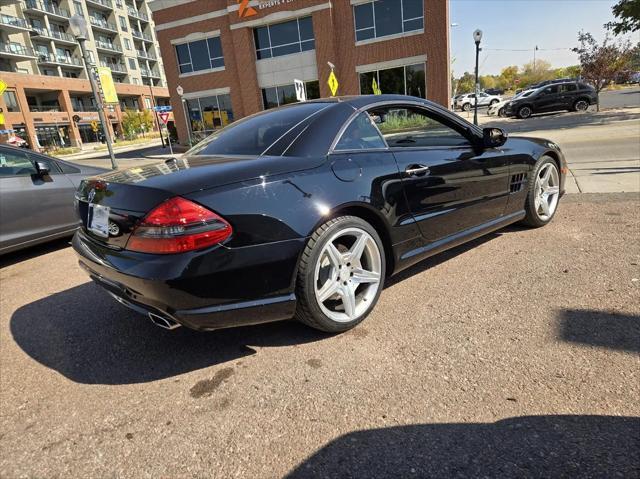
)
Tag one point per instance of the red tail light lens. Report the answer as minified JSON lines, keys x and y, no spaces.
{"x":176,"y":226}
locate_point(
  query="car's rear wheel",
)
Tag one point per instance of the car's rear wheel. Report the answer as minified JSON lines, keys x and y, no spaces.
{"x":466,"y":107}
{"x":501,"y":112}
{"x":493,"y":102}
{"x":524,"y":112}
{"x":341,"y":275}
{"x":543,"y":194}
{"x":581,"y":105}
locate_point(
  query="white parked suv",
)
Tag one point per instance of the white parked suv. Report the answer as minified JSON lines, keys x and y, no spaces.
{"x":500,"y":108}
{"x":467,"y":101}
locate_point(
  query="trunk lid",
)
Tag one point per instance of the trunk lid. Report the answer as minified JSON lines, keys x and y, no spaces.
{"x":130,"y":194}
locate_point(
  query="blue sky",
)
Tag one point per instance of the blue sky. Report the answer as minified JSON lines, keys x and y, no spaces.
{"x":522,"y":24}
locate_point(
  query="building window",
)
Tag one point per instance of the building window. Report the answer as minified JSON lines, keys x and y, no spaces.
{"x":407,"y":80}
{"x":11,"y":101}
{"x":132,"y":63}
{"x":123,"y":24}
{"x":208,"y":114}
{"x":78,"y":7}
{"x":381,"y":18}
{"x":282,"y":95}
{"x":147,"y":103}
{"x":200,"y":55}
{"x":294,"y":36}
{"x":127,"y":44}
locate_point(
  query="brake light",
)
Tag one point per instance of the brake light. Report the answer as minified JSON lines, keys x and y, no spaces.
{"x":176,"y":226}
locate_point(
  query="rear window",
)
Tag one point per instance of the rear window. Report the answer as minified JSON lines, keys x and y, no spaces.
{"x":254,"y":135}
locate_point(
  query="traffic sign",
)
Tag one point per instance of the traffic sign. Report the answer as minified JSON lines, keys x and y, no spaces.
{"x":3,"y":87}
{"x":333,"y":83}
{"x":301,"y":95}
{"x":161,"y":109}
{"x":164,"y":117}
{"x":1,"y":118}
{"x":376,"y":88}
{"x":94,"y":126}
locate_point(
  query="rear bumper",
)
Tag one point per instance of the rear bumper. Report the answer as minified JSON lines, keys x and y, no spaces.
{"x":207,"y":290}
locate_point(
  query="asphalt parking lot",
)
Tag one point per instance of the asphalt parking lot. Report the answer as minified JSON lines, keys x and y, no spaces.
{"x":513,"y":356}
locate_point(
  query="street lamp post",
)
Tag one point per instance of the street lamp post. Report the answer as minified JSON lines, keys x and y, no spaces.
{"x":79,"y":29}
{"x":477,"y":36}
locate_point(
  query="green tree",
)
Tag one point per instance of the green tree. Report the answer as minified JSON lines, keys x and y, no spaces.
{"x":508,"y":76}
{"x":602,"y":62}
{"x":627,"y":13}
{"x":466,"y":83}
{"x":146,"y":120}
{"x":533,"y":73}
{"x":130,"y":124}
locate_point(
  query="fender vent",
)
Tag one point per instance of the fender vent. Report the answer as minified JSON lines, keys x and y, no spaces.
{"x":517,"y":182}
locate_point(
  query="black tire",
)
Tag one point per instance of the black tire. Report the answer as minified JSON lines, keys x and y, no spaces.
{"x":524,"y":112}
{"x":466,"y":107}
{"x":532,"y":219}
{"x":308,"y":310}
{"x":493,"y":102}
{"x":502,"y":113}
{"x":580,"y":105}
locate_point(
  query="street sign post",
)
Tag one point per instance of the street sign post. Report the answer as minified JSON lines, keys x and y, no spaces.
{"x":164,"y":117}
{"x":180,"y":92}
{"x":301,"y":95}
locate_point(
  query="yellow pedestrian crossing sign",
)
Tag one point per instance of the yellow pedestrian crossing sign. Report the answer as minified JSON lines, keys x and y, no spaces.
{"x":94,"y":126}
{"x":333,"y":83}
{"x":3,"y":87}
{"x":376,"y":89}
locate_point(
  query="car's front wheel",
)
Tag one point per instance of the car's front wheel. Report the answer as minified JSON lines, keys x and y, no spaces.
{"x":543,"y":194}
{"x":501,"y":112}
{"x":341,"y":275}
{"x":493,"y":102}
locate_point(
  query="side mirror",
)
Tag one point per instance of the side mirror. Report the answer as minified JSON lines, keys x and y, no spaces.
{"x":494,"y":137}
{"x":42,"y":168}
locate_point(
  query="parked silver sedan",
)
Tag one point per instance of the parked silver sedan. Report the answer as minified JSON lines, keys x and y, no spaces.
{"x":37,"y":197}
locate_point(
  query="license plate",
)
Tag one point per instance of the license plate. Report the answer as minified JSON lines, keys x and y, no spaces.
{"x":99,"y":220}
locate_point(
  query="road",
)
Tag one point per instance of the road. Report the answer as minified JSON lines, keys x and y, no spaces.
{"x":513,"y":356}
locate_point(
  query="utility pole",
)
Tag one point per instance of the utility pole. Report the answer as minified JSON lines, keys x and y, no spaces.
{"x":534,"y":58}
{"x":79,"y":29}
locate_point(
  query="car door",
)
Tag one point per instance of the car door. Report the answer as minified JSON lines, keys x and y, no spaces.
{"x":548,"y":99}
{"x":450,"y":185}
{"x":483,"y":99}
{"x":32,"y":206}
{"x":567,"y":93}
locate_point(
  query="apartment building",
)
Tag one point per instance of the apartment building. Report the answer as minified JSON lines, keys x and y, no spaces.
{"x":233,"y":58}
{"x":42,"y":64}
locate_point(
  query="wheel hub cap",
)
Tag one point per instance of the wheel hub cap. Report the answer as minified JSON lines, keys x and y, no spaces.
{"x":547,"y":191}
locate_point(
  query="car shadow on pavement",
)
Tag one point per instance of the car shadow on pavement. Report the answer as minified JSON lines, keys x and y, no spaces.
{"x":606,"y":329}
{"x":529,"y":446}
{"x":89,"y":338}
{"x":34,"y":251}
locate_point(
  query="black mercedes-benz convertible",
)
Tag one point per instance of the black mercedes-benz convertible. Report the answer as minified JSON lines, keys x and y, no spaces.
{"x":305,"y":210}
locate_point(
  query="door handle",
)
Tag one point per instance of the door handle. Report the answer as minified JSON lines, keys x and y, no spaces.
{"x":417,"y":170}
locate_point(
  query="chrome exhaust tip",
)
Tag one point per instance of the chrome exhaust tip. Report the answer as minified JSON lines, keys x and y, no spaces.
{"x":164,"y":323}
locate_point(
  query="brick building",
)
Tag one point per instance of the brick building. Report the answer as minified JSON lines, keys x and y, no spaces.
{"x":233,"y":58}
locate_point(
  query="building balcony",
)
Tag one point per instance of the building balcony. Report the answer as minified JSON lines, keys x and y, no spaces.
{"x":137,"y":14}
{"x":13,"y":24}
{"x":143,"y":36}
{"x":149,"y":73}
{"x":58,"y":37}
{"x":146,"y":55}
{"x":101,"y":4}
{"x":45,"y":108}
{"x":53,"y":59}
{"x":40,"y":7}
{"x":16,"y":51}
{"x":109,"y":47}
{"x":116,"y":68}
{"x":100,"y":24}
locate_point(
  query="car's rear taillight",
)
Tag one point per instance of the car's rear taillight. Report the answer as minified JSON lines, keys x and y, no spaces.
{"x":176,"y":226}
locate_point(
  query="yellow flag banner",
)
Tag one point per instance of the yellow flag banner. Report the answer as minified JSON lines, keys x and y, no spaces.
{"x":108,"y":87}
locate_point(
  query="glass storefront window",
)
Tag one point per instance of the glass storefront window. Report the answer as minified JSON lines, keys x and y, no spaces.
{"x":208,"y":114}
{"x":200,"y":55}
{"x":381,"y":18}
{"x":53,"y":137}
{"x":285,"y":94}
{"x":407,"y":80}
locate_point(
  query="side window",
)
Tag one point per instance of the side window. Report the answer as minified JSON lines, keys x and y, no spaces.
{"x":568,"y":87}
{"x":416,"y":128}
{"x":550,"y":90}
{"x":361,"y":134}
{"x":66,"y":168}
{"x":51,"y":165}
{"x":15,"y":163}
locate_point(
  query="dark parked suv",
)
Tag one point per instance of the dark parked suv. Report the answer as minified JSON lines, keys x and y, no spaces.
{"x":571,"y":95}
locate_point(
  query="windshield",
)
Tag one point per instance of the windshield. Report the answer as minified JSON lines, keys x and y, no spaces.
{"x":255,"y":134}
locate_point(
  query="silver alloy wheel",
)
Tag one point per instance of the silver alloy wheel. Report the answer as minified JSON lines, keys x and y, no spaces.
{"x":547,"y":191}
{"x":581,"y":105}
{"x":525,"y":112}
{"x":347,"y":275}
